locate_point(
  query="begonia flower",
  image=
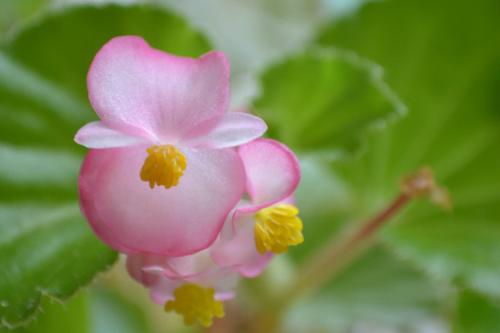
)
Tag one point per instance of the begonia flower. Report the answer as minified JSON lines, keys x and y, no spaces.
{"x":268,"y":223}
{"x":193,"y":286}
{"x":196,"y":285}
{"x":160,"y":177}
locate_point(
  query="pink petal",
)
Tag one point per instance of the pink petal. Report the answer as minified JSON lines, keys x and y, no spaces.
{"x":273,"y":172}
{"x":222,"y":279}
{"x":135,"y":266}
{"x":233,"y":129}
{"x":237,"y":248}
{"x":98,"y":135}
{"x":224,"y":282}
{"x":164,"y":274}
{"x":131,"y":217}
{"x":163,"y":290}
{"x":188,"y":266}
{"x":129,"y":82}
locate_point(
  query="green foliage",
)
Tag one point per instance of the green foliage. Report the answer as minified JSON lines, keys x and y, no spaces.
{"x":443,"y":60}
{"x":94,"y":311}
{"x":46,"y":247}
{"x":476,"y":314}
{"x":13,"y":11}
{"x":44,"y":250}
{"x":324,"y":103}
{"x":72,"y":316}
{"x":377,"y":290}
{"x":111,"y":313}
{"x":324,"y":99}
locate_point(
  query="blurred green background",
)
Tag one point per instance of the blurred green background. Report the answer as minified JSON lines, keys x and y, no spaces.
{"x":364,"y":92}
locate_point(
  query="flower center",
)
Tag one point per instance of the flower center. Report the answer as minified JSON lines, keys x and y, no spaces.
{"x":277,"y":228}
{"x":195,"y":304}
{"x":164,"y":166}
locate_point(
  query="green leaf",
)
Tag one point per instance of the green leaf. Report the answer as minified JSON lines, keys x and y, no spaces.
{"x":44,"y":250}
{"x":476,"y":314}
{"x":46,"y":247}
{"x":73,"y":316}
{"x":443,"y":59}
{"x":111,"y":313}
{"x":324,"y":99}
{"x":92,"y":311}
{"x":14,"y":11}
{"x":376,"y":291}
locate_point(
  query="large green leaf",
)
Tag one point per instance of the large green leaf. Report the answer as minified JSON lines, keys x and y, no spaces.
{"x":324,"y":99}
{"x":92,"y":311}
{"x":376,"y":291}
{"x":443,"y":60}
{"x":46,"y":247}
{"x":44,"y":250}
{"x":476,"y":314}
{"x":14,"y":11}
{"x":72,"y":316}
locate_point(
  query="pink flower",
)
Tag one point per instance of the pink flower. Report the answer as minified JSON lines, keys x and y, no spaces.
{"x":272,"y":176}
{"x":268,"y":222}
{"x":193,"y":286}
{"x":160,"y":177}
{"x":162,"y":275}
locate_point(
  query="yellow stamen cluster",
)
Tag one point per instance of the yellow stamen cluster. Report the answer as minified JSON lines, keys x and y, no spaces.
{"x":164,"y":166}
{"x":195,"y":304}
{"x":277,"y":228}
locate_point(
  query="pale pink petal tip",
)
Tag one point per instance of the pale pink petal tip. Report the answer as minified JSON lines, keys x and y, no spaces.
{"x":233,"y":129}
{"x":98,"y":135}
{"x":272,"y":169}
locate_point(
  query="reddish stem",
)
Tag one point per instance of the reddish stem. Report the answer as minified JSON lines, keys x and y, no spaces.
{"x":329,"y":261}
{"x":368,"y":229}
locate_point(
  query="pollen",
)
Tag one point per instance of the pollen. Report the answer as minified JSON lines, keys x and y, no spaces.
{"x":277,"y":227}
{"x":164,"y":166}
{"x":195,"y":304}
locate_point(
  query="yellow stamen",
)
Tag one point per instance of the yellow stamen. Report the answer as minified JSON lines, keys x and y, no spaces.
{"x":164,"y":166}
{"x":195,"y":304}
{"x":277,"y":228}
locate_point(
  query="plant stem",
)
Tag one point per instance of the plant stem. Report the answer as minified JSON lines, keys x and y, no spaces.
{"x":328,"y":262}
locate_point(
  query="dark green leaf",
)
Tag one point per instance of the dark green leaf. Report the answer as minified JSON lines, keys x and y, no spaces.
{"x":324,"y":99}
{"x":476,"y":314}
{"x":44,"y":250}
{"x":73,"y":316}
{"x":14,"y":11}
